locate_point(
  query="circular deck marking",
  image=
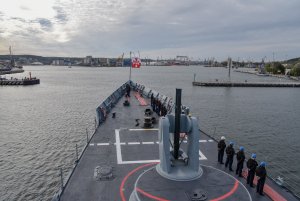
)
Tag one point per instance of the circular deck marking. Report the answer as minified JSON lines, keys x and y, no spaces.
{"x":236,"y":185}
{"x":250,"y":198}
{"x":149,"y":195}
{"x":121,"y":190}
{"x":232,"y":191}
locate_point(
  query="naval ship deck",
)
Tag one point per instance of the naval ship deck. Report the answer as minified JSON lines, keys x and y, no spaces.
{"x":131,"y":150}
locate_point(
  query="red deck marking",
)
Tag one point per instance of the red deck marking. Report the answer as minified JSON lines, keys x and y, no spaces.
{"x":142,"y":101}
{"x":268,"y":190}
{"x":150,"y":196}
{"x":128,"y":175}
{"x":236,"y":185}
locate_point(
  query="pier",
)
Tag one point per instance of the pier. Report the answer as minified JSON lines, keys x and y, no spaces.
{"x":246,"y":84}
{"x":20,"y":82}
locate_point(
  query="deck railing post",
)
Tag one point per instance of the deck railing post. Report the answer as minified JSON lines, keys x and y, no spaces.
{"x":61,"y":180}
{"x":76,"y":153}
{"x":87,"y":136}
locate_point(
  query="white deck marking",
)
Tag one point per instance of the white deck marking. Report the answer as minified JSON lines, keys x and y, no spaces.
{"x":147,"y":142}
{"x":137,"y":143}
{"x":102,"y":144}
{"x":143,"y":129}
{"x":120,"y":143}
{"x":140,"y":161}
{"x":133,"y":143}
{"x":202,"y":157}
{"x":118,"y":146}
{"x":119,"y":151}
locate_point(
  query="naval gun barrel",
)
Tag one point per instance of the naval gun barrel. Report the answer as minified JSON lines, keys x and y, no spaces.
{"x":177,"y":123}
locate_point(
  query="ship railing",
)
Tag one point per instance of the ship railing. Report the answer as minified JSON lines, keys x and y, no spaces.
{"x":290,"y":183}
{"x":147,"y":92}
{"x":64,"y":181}
{"x":101,"y":113}
{"x":106,"y":106}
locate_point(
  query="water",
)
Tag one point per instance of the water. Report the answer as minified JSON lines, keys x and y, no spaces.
{"x":40,"y":125}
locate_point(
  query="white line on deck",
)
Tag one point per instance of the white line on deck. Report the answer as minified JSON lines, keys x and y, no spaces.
{"x":140,"y":161}
{"x":147,"y":142}
{"x":119,"y":151}
{"x":137,"y":143}
{"x":102,"y":144}
{"x":143,"y":129}
{"x":118,"y":147}
{"x":120,"y":143}
{"x":133,"y":143}
{"x":202,"y":157}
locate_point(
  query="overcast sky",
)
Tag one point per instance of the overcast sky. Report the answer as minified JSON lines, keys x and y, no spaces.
{"x":244,"y":29}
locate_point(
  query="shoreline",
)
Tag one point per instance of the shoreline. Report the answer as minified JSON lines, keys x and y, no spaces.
{"x":271,"y":75}
{"x":11,"y":72}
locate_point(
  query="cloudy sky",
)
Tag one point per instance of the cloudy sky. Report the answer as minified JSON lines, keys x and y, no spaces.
{"x":245,"y":29}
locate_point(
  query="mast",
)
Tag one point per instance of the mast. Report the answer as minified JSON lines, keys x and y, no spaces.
{"x":12,"y":63}
{"x":229,"y":66}
{"x":177,"y":123}
{"x":130,"y":68}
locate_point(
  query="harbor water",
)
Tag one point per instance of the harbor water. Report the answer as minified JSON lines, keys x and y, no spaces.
{"x":40,"y":125}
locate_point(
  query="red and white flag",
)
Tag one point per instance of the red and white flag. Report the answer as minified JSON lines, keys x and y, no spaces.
{"x":135,"y":62}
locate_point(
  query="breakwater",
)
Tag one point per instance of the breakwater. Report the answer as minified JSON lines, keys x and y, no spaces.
{"x":20,"y":82}
{"x":245,"y":84}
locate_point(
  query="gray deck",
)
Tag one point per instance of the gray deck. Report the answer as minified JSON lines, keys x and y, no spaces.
{"x":125,"y":150}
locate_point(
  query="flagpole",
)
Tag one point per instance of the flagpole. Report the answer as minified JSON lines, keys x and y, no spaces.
{"x":130,"y":68}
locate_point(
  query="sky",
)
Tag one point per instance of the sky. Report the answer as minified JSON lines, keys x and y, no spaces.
{"x":201,"y":29}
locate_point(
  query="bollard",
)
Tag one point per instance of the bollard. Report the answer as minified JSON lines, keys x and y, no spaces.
{"x":61,"y":180}
{"x":194,"y":77}
{"x":95,"y":123}
{"x":76,"y":153}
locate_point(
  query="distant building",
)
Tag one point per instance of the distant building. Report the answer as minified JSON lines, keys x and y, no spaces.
{"x":88,"y":60}
{"x":104,"y":62}
{"x":58,"y":62}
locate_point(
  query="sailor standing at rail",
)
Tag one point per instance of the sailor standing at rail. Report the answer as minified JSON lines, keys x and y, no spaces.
{"x":152,"y":100}
{"x":128,"y":89}
{"x":240,"y":157}
{"x":221,"y":149}
{"x":261,"y":173}
{"x":251,"y":165}
{"x":230,"y":154}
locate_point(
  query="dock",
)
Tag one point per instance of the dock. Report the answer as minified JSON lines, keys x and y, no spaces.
{"x":246,"y":84}
{"x":19,"y":82}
